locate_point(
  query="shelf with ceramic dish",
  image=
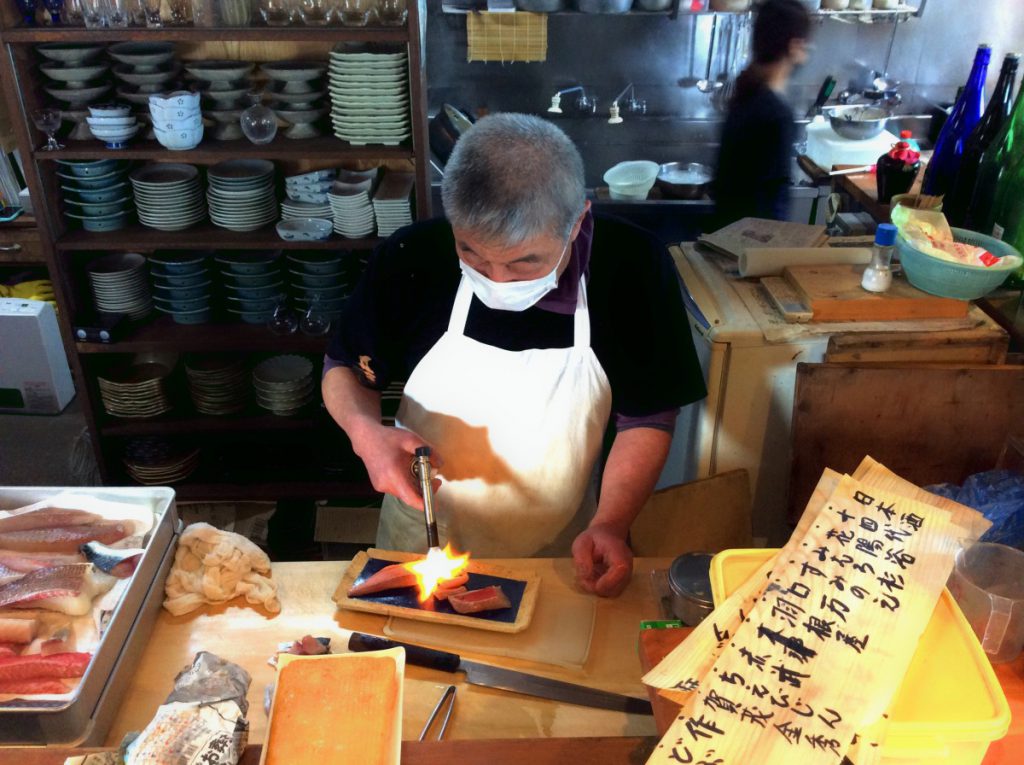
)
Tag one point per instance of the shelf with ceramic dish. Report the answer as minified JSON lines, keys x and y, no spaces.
{"x":206,"y":34}
{"x":162,"y":333}
{"x":323,"y":148}
{"x":205,"y":236}
{"x":176,"y":423}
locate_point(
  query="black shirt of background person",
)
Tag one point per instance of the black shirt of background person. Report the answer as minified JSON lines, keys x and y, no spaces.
{"x":755,"y":158}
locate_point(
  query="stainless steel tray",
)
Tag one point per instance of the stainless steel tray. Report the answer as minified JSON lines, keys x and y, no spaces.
{"x":86,"y":716}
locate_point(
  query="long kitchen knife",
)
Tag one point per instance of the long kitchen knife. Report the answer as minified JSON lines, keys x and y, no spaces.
{"x":504,"y":679}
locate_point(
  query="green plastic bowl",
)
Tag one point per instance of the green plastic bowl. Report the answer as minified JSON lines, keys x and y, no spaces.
{"x":945,"y":278}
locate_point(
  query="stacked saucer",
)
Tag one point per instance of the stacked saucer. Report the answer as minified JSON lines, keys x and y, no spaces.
{"x":300,"y":210}
{"x":217,"y":383}
{"x":168,"y":196}
{"x":310,"y":189}
{"x":369,"y":88}
{"x":182,"y":286}
{"x":321,"y":281}
{"x":119,"y":284}
{"x":137,"y":388}
{"x":392,"y":204}
{"x":241,"y":194}
{"x":303,"y":80}
{"x":144,"y":68}
{"x":284,"y":384}
{"x":155,"y":461}
{"x":113,"y":125}
{"x":96,"y":193}
{"x":224,"y":85}
{"x":352,"y":209}
{"x":253,"y":283}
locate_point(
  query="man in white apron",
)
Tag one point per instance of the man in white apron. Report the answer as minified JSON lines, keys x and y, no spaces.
{"x":488,"y":319}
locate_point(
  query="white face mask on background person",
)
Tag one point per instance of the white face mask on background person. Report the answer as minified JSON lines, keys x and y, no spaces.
{"x":511,"y":296}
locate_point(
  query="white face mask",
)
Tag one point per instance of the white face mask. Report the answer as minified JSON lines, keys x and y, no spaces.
{"x":511,"y":296}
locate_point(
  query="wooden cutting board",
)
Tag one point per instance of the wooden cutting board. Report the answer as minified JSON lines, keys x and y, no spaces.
{"x":833,"y":293}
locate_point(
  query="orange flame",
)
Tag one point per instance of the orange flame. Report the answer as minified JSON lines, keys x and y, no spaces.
{"x":438,"y":566}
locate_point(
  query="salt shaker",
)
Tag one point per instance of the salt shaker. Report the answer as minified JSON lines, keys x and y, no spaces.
{"x":878,"y":275}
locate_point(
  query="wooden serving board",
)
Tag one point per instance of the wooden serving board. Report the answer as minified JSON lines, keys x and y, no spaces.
{"x":521,"y":589}
{"x":833,"y":293}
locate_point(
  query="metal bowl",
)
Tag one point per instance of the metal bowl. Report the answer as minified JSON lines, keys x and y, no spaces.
{"x":684,"y":180}
{"x":603,"y":6}
{"x":858,"y":123}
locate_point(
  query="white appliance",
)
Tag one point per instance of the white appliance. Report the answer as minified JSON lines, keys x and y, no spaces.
{"x":749,"y":356}
{"x":34,"y":373}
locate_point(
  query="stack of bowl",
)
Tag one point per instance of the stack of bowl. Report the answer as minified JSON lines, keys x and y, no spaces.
{"x":253,"y":284}
{"x":119,"y":284}
{"x":224,"y":85}
{"x":144,"y":68}
{"x":182,"y":286}
{"x":73,"y":69}
{"x":177,"y":119}
{"x":284,"y":384}
{"x":304,"y":80}
{"x":321,"y":279}
{"x":95,"y":193}
{"x":113,"y":124}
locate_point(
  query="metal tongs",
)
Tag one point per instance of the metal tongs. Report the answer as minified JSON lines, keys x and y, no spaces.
{"x":447,"y":696}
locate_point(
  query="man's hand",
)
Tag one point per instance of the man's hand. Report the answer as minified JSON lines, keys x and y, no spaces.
{"x":604,"y":562}
{"x":388,"y":454}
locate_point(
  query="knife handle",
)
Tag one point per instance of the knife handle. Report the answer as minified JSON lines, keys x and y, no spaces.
{"x":414,"y":654}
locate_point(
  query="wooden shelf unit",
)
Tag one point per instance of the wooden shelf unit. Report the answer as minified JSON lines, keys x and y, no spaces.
{"x":64,"y":250}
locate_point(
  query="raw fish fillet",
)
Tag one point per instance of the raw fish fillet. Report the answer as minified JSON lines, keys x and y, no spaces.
{"x":24,"y":562}
{"x":443,"y":593}
{"x":38,"y":667}
{"x":69,"y":589}
{"x":63,"y":539}
{"x":484,"y":599}
{"x":32,"y":687}
{"x":46,"y":518}
{"x":388,"y":578}
{"x":119,"y":563}
{"x":17,"y":630}
{"x":9,"y":574}
{"x":61,"y":641}
{"x":10,"y":649}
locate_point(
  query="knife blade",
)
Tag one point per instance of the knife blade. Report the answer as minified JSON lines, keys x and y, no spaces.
{"x":504,"y":679}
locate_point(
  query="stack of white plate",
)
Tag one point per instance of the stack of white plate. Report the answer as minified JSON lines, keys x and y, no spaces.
{"x":298,"y":210}
{"x":119,"y":284}
{"x":284,"y":384}
{"x":392,"y":204}
{"x":168,"y":196}
{"x":241,"y":194}
{"x":217,"y":383}
{"x":136,"y":389}
{"x":156,"y":461}
{"x":352,"y":210}
{"x":369,"y":94}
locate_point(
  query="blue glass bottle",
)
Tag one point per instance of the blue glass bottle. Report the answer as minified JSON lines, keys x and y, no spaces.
{"x":962,"y":120}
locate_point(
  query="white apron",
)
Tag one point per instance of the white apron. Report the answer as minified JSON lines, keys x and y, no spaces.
{"x":519,"y":432}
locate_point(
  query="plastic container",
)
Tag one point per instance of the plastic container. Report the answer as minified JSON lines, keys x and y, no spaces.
{"x":950,"y":706}
{"x":954,"y":280}
{"x":631,"y":180}
{"x":908,"y":137}
{"x":988,"y":584}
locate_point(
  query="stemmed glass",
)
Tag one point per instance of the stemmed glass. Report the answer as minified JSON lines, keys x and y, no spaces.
{"x":48,"y":121}
{"x":259,"y":123}
{"x":152,"y":10}
{"x":315,"y":322}
{"x":54,"y":8}
{"x":28,"y":11}
{"x":283,"y":322}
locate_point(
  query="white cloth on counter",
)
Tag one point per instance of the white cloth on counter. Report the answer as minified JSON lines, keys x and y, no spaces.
{"x":214,"y":566}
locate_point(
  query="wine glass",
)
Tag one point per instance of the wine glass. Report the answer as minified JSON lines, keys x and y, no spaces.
{"x":152,"y":9}
{"x":259,"y":123}
{"x":315,"y":322}
{"x":28,"y":11}
{"x":54,"y":8}
{"x":48,"y":121}
{"x":283,"y":322}
{"x":392,"y":13}
{"x":355,"y":13}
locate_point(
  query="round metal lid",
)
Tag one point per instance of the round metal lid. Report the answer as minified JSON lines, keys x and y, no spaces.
{"x":689,"y":576}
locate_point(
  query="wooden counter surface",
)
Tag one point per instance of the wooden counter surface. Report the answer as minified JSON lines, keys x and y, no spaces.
{"x":249,"y":636}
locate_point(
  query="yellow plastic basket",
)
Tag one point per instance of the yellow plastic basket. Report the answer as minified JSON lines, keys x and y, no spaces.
{"x":950,"y":706}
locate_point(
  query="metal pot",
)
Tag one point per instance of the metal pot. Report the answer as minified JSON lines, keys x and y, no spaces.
{"x":690,"y":581}
{"x":445,"y":128}
{"x":857,"y":122}
{"x":603,"y":6}
{"x":684,"y":180}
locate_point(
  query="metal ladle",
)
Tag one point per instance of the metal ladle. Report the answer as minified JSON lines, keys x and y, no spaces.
{"x":707,"y":85}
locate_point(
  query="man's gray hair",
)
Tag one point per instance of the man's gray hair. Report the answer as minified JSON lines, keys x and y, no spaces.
{"x":512,"y":177}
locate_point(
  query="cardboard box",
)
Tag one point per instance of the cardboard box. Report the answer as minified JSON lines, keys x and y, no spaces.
{"x":34,"y":373}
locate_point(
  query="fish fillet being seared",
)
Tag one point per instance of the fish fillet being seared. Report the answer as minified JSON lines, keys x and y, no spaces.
{"x":63,"y":539}
{"x":68,"y":589}
{"x":388,"y":578}
{"x":475,"y":601}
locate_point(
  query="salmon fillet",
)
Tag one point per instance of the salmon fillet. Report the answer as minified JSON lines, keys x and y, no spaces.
{"x":39,"y":667}
{"x":388,"y":578}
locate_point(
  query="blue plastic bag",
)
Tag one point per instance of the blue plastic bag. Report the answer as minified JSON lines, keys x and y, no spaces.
{"x":996,"y":494}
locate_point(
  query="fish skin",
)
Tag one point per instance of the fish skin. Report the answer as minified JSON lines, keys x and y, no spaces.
{"x":485,"y":599}
{"x":388,"y":578}
{"x":118,"y":563}
{"x":17,"y":630}
{"x":9,"y":574}
{"x":24,"y":562}
{"x":44,"y":583}
{"x":63,"y":539}
{"x":39,"y":667}
{"x":32,"y":687}
{"x":47,"y":518}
